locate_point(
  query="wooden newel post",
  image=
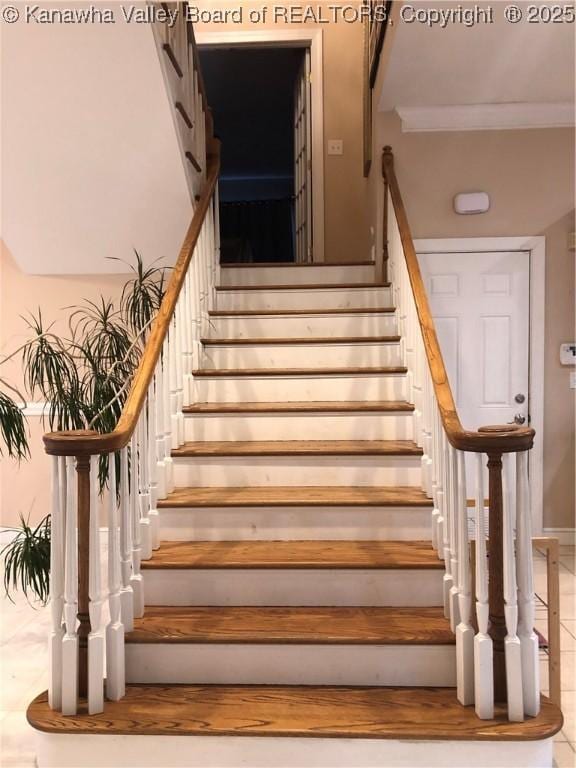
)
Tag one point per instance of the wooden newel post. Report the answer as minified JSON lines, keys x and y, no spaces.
{"x":83,"y":472}
{"x":497,"y":628}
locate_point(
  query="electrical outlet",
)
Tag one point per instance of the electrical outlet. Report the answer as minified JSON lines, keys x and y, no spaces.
{"x":335,"y":147}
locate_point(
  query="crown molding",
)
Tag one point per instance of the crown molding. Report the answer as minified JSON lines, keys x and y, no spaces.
{"x":486,"y":117}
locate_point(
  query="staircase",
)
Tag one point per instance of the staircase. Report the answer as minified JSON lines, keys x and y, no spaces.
{"x":294,"y":606}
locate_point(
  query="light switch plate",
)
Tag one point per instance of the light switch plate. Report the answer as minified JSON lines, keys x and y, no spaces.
{"x":335,"y":147}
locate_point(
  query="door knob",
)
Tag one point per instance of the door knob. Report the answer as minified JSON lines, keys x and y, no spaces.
{"x":518,"y":419}
{"x":520,"y":398}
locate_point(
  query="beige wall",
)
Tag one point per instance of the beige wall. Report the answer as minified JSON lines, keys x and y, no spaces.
{"x":24,"y":487}
{"x":529,"y":175}
{"x":345,"y":189}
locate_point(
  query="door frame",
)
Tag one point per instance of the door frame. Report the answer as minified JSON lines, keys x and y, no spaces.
{"x":291,"y":38}
{"x":536,"y":249}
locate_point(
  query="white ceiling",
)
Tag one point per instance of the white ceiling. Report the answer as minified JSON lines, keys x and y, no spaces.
{"x":483,"y":64}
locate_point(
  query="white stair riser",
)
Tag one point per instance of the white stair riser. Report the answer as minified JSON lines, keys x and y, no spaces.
{"x":296,"y":524}
{"x":72,"y":750}
{"x":301,"y":326}
{"x":304,"y":298}
{"x":293,"y":586}
{"x":294,"y":664}
{"x":339,"y":273}
{"x":240,"y":471}
{"x":278,"y":389}
{"x":300,"y":355}
{"x":299,"y":426}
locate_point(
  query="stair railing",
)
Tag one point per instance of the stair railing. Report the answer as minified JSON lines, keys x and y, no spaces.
{"x":86,"y":657}
{"x":496,"y":646}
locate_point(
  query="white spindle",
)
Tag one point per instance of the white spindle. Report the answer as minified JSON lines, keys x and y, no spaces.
{"x":483,"y":651}
{"x":512,"y":648}
{"x":152,"y":465}
{"x":448,"y":581}
{"x":525,"y":567}
{"x":436,"y":482}
{"x":172,"y":355}
{"x":126,"y":594}
{"x":70,"y":639}
{"x":167,"y":413}
{"x":57,"y":522}
{"x":143,"y":485}
{"x":96,"y":599}
{"x":464,"y":630}
{"x":440,"y":494}
{"x":136,"y":578}
{"x":455,"y":521}
{"x":178,"y":324}
{"x":159,"y":428}
{"x":115,"y":679}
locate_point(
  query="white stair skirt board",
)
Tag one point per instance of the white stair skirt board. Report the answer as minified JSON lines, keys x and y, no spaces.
{"x":304,"y":298}
{"x":299,"y":355}
{"x":290,"y":586}
{"x":240,"y":471}
{"x":354,"y":425}
{"x":71,"y":751}
{"x":275,"y":389}
{"x":302,"y":326}
{"x":291,"y":664}
{"x":296,"y":524}
{"x":290,"y":275}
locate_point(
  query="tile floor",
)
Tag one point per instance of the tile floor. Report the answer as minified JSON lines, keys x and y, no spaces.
{"x":23,"y":661}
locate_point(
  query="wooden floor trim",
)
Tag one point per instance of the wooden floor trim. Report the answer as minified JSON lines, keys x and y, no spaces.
{"x":340,"y":371}
{"x":303,"y":287}
{"x":364,"y":555}
{"x":263,"y":341}
{"x":296,"y":496}
{"x":292,"y":625}
{"x":298,"y":448}
{"x":294,"y":711}
{"x":382,"y":406}
{"x":291,"y":312}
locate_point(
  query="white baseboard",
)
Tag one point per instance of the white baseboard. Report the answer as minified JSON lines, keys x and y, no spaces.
{"x":565,"y":536}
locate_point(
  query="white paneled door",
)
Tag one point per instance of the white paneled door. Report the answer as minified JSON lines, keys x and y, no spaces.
{"x":303,"y":162}
{"x":481,"y":305}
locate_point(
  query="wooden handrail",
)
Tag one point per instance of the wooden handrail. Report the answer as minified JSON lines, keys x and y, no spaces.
{"x":87,"y":442}
{"x":491,"y":439}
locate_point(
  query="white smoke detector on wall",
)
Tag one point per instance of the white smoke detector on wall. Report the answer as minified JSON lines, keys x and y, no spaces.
{"x":471,"y":202}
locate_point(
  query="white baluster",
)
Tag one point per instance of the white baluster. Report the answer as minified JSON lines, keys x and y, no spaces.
{"x":448,"y":581}
{"x":217,"y":273}
{"x":126,"y":594}
{"x":167,"y":414}
{"x":70,"y":639}
{"x":57,"y":522}
{"x":136,"y":578}
{"x":464,"y":630}
{"x":96,"y":598}
{"x":440,"y":495}
{"x":115,"y":677}
{"x":159,"y":436}
{"x":143,"y":486}
{"x":525,"y":568}
{"x":179,"y":315}
{"x":436,"y":485}
{"x":455,"y":521}
{"x":483,"y":651}
{"x":512,"y":647}
{"x":172,"y":355}
{"x":151,"y":466}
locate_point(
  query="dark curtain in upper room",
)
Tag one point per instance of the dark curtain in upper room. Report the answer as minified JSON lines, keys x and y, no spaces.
{"x":256,"y":230}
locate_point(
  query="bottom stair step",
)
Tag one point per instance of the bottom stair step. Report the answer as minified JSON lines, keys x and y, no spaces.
{"x":302,"y":726}
{"x":292,"y":646}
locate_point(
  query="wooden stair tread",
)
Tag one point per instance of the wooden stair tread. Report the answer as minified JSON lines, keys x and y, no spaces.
{"x":349,"y":371}
{"x":297,"y":496}
{"x":302,"y":287}
{"x":279,"y":312}
{"x":294,"y":554}
{"x":263,"y":341}
{"x":312,"y":626}
{"x":299,"y":448}
{"x":294,"y":711}
{"x":325,"y":406}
